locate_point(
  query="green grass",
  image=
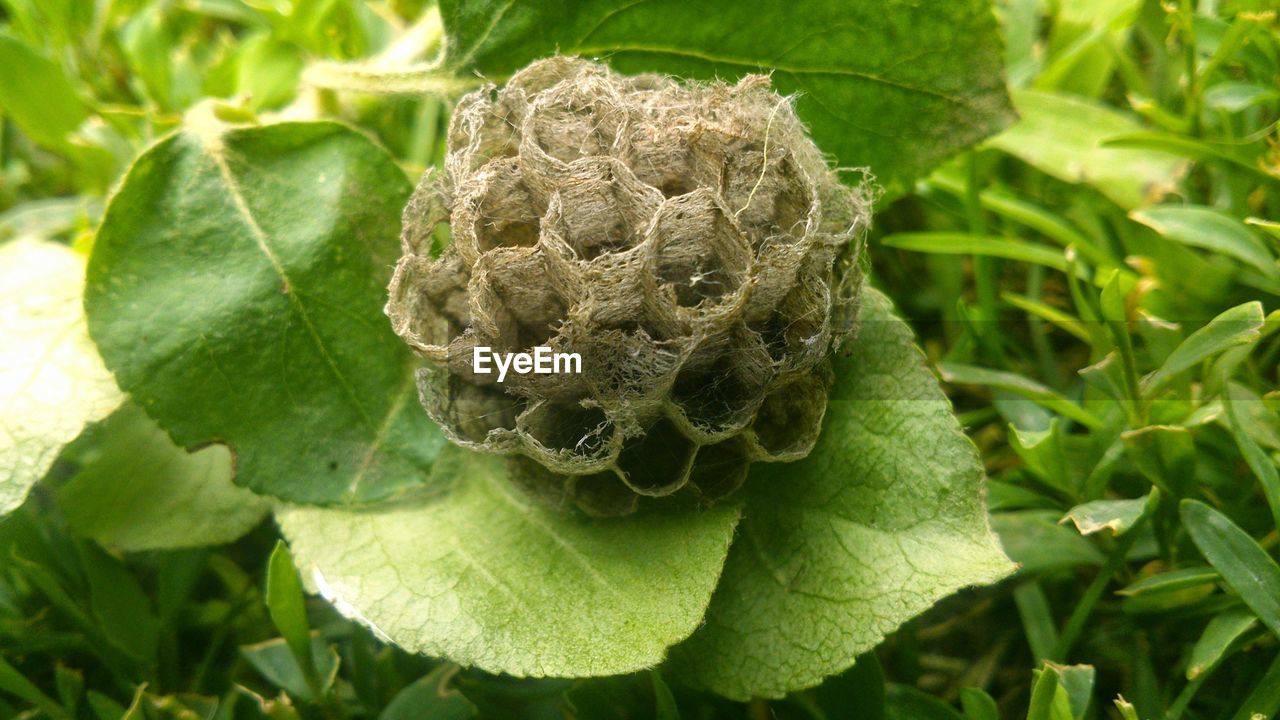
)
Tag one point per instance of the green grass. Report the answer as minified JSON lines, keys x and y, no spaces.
{"x":1097,"y":286}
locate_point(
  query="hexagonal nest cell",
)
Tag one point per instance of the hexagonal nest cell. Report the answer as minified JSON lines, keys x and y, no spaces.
{"x":687,"y":241}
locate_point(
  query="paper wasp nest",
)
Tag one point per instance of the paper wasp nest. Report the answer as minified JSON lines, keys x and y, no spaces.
{"x":687,"y":241}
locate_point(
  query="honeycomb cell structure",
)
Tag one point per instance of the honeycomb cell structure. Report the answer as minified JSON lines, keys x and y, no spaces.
{"x":687,"y":241}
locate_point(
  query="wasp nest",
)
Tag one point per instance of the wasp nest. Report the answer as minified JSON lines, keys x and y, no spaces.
{"x":687,"y":242}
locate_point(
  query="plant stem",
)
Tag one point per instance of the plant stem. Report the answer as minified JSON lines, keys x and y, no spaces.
{"x":984,"y":268}
{"x":1080,"y":615}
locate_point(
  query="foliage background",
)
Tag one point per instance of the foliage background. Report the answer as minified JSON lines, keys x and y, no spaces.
{"x":1145,"y":163}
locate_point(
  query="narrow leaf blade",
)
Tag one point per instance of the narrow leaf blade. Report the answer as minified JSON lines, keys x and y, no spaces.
{"x":1242,"y":562}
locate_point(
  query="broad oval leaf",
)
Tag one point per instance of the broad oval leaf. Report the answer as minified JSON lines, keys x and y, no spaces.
{"x":475,"y":572}
{"x":884,"y":518}
{"x":898,"y":112}
{"x":138,"y":491}
{"x":52,"y":382}
{"x":236,"y":289}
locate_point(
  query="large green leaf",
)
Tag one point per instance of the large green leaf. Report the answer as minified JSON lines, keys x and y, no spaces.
{"x":236,"y":289}
{"x":475,"y":572}
{"x":138,"y":491}
{"x":884,"y":517}
{"x":870,"y":96}
{"x":52,"y":381}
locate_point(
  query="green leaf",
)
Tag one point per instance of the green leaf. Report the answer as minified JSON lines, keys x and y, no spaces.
{"x":1063,"y":320}
{"x":1235,"y":96}
{"x":277,"y":663}
{"x":236,"y":289}
{"x":1018,"y":385}
{"x":1218,"y":637}
{"x":1126,"y":709}
{"x":1049,"y":701}
{"x":1064,"y":136}
{"x":138,"y":491}
{"x":14,"y":682}
{"x":1264,"y":701}
{"x":119,"y":605}
{"x":476,"y":572}
{"x":1036,"y":541}
{"x":903,"y":702}
{"x":1263,"y":467}
{"x":1045,"y":455}
{"x":1240,"y":325}
{"x":268,"y":71}
{"x":1037,"y":619}
{"x":1165,"y":454}
{"x":1209,"y":229}
{"x":37,"y":94}
{"x":1271,"y":227}
{"x":835,"y":551}
{"x":1118,"y":516}
{"x":1170,"y":144}
{"x":52,"y":381}
{"x":104,"y":707}
{"x":49,"y":217}
{"x":1241,"y":561}
{"x":288,"y":610}
{"x":70,"y":683}
{"x":1167,"y":590}
{"x":863,"y":101}
{"x":1076,"y":681}
{"x":978,"y":705}
{"x":665,"y":706}
{"x":989,"y":245}
{"x":430,"y":697}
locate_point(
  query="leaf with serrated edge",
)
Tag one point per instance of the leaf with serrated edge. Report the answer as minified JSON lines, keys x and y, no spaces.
{"x":900,"y":116}
{"x":885,"y":517}
{"x":138,"y":491}
{"x":479,"y":574}
{"x":52,"y":382}
{"x":236,"y":289}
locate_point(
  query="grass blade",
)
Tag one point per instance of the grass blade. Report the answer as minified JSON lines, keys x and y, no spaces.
{"x":986,"y":245}
{"x":1019,"y":385}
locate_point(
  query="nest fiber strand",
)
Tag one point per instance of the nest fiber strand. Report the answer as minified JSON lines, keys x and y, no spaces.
{"x":689,"y":242}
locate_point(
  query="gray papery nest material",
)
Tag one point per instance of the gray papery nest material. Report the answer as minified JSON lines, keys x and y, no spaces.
{"x":688,"y":241}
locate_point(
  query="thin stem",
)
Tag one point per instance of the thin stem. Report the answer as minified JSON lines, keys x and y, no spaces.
{"x":1080,"y":615}
{"x":984,"y":268}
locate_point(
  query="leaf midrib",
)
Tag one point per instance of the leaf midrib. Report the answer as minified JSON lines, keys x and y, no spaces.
{"x":217,"y":153}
